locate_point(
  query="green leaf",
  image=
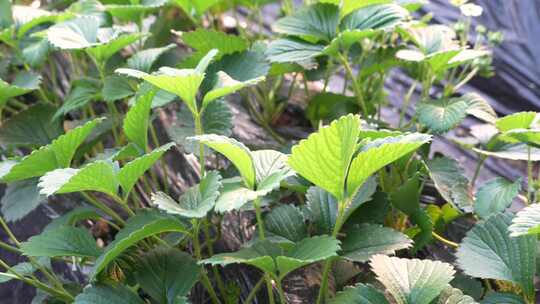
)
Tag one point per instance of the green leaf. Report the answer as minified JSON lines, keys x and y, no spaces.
{"x":330,"y":106}
{"x":216,"y":119}
{"x":314,"y":23}
{"x":450,"y":181}
{"x":479,"y":108}
{"x":63,"y":241}
{"x":64,"y":147}
{"x":84,"y":33}
{"x":196,"y":202}
{"x":499,"y":297}
{"x":97,"y":176}
{"x":454,"y":296}
{"x":116,"y":87}
{"x":286,"y":221}
{"x":292,"y":50}
{"x":101,"y":294}
{"x":204,"y":40}
{"x":137,"y":119}
{"x":81,"y":93}
{"x":243,"y":66}
{"x":137,"y":228}
{"x":366,"y":240}
{"x":495,"y":196}
{"x":359,"y":294}
{"x":23,"y":83}
{"x":226,"y":86}
{"x":133,"y":11}
{"x":145,"y":59}
{"x":6,"y":14}
{"x":73,"y":217}
{"x":58,"y":154}
{"x":381,"y":152}
{"x":412,"y":281}
{"x":271,"y":258}
{"x":183,"y":83}
{"x":32,"y":127}
{"x":36,"y":52}
{"x":158,"y":274}
{"x":322,"y":210}
{"x":234,"y":151}
{"x":520,"y":120}
{"x":488,"y":252}
{"x":20,"y":198}
{"x":442,"y":115}
{"x":324,"y":157}
{"x":234,"y":195}
{"x":406,"y":199}
{"x":374,"y":17}
{"x":196,"y":7}
{"x":132,"y":171}
{"x":526,"y":222}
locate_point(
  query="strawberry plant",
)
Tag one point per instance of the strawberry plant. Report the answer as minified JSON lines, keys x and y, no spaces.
{"x":200,"y":152}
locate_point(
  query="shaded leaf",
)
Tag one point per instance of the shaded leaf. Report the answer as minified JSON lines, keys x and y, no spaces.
{"x":313,"y":23}
{"x":366,"y":240}
{"x":101,"y":294}
{"x":286,"y":221}
{"x":495,"y":196}
{"x":359,"y":294}
{"x":20,"y":198}
{"x":450,"y":181}
{"x":63,"y":241}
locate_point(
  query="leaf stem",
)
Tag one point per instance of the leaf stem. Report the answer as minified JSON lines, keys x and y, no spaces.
{"x":199,"y":131}
{"x":104,"y":208}
{"x":253,"y":293}
{"x":529,"y":176}
{"x":354,"y":82}
{"x":444,"y":240}
{"x":258,"y":216}
{"x":197,"y":249}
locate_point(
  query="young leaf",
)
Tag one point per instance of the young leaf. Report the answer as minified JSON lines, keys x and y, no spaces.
{"x":488,"y":252}
{"x":22,"y":84}
{"x":412,"y":281}
{"x":234,"y":195}
{"x":63,"y":241}
{"x":101,"y":294}
{"x":286,"y":221}
{"x":366,"y":240}
{"x":196,"y":201}
{"x":313,"y":23}
{"x":139,"y":227}
{"x":324,"y":157}
{"x":234,"y":151}
{"x":81,"y":93}
{"x":359,"y":294}
{"x":137,"y":120}
{"x":526,"y":222}
{"x":520,"y":120}
{"x":495,"y":196}
{"x":132,"y":171}
{"x":97,"y":176}
{"x":183,"y":83}
{"x":379,"y":153}
{"x":226,"y":85}
{"x":158,"y":274}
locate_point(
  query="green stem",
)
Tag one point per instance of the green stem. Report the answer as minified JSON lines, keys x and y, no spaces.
{"x":155,"y":139}
{"x":10,"y":248}
{"x":281,"y":294}
{"x":197,"y":248}
{"x":104,"y":208}
{"x":253,"y":293}
{"x":478,"y":168}
{"x":530,"y":180}
{"x":9,"y":232}
{"x":321,"y":298}
{"x":269,"y":288}
{"x":199,"y":131}
{"x":357,"y":90}
{"x":406,"y":103}
{"x":207,"y":236}
{"x":258,"y":215}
